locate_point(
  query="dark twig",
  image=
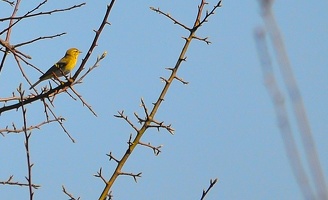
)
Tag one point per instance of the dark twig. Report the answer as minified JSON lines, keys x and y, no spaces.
{"x":135,"y":176}
{"x":156,"y":150}
{"x":69,"y":194}
{"x":205,"y":192}
{"x":12,"y":3}
{"x":111,"y":157}
{"x":121,"y":115}
{"x":99,"y":175}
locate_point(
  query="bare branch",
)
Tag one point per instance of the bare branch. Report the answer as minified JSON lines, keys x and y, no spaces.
{"x":27,"y":146}
{"x":121,"y":115}
{"x":68,"y":194}
{"x":135,"y":176}
{"x":27,"y":15}
{"x":39,"y":38}
{"x":99,"y":58}
{"x":12,"y":3}
{"x":38,"y":126}
{"x":205,"y":192}
{"x":181,"y":80}
{"x":99,"y":175}
{"x":60,"y":122}
{"x":159,"y":125}
{"x":171,"y":18}
{"x":155,"y":149}
{"x":143,"y":105}
{"x":149,"y":120}
{"x":83,"y":101}
{"x":111,"y":157}
{"x":10,"y":181}
{"x":203,"y":39}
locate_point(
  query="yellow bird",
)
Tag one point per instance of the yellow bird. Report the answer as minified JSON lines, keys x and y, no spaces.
{"x":62,"y":67}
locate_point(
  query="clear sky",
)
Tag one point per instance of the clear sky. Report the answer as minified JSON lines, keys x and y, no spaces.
{"x":224,"y":120}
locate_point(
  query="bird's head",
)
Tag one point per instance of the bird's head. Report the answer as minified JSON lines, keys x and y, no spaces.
{"x":73,"y":52}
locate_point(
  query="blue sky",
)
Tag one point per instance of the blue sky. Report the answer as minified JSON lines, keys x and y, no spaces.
{"x":224,"y":121}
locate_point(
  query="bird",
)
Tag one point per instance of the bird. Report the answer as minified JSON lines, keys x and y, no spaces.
{"x":62,"y":67}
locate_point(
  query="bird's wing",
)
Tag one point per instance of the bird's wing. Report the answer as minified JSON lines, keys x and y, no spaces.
{"x":58,"y":69}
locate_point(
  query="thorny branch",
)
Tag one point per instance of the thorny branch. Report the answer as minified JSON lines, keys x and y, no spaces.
{"x":149,"y":119}
{"x":10,"y":181}
{"x":27,"y":146}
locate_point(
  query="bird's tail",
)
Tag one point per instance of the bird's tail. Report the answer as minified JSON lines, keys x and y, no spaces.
{"x":35,"y":84}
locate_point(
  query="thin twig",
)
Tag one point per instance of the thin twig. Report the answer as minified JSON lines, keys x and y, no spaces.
{"x":42,"y":13}
{"x":170,"y":17}
{"x":156,"y":150}
{"x":39,"y":38}
{"x":69,"y":194}
{"x":205,"y":192}
{"x":38,"y":126}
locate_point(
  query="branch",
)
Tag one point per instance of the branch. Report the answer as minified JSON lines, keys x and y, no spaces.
{"x":27,"y":15}
{"x":121,"y":115}
{"x":12,"y":3}
{"x":205,"y":192}
{"x":39,"y":38}
{"x":11,"y":182}
{"x":99,"y":58}
{"x":135,"y":176}
{"x":99,"y":175}
{"x":151,"y":115}
{"x":94,"y":42}
{"x":155,"y":149}
{"x":27,"y":146}
{"x":38,"y":126}
{"x":169,"y":16}
{"x":68,"y":194}
{"x":159,"y":125}
{"x":111,"y":157}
